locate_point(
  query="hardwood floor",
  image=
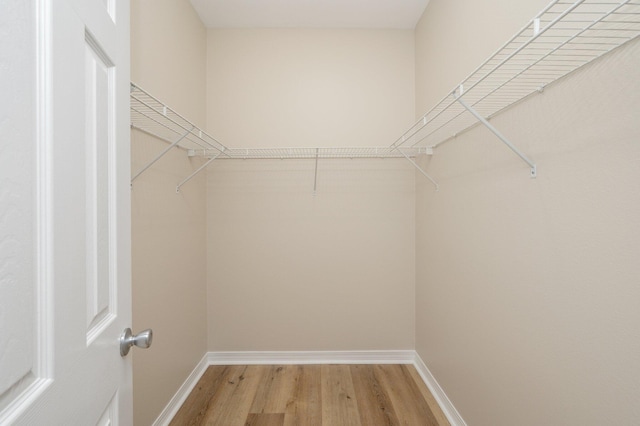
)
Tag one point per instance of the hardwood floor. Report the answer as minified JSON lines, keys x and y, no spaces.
{"x":310,"y":395}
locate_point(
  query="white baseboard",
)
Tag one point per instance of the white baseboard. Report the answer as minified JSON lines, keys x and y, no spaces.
{"x":310,"y":357}
{"x":438,"y":393}
{"x":180,"y":397}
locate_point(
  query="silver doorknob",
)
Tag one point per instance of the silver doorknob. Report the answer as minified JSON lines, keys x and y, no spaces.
{"x":142,"y":340}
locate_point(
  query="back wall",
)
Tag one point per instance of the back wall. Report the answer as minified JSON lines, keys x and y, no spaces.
{"x":305,"y":87}
{"x":289,"y":270}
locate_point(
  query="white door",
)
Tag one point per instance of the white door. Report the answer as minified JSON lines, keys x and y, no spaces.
{"x":64,"y":212}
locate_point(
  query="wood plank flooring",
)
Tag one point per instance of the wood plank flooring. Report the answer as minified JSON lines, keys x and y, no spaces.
{"x":310,"y":395}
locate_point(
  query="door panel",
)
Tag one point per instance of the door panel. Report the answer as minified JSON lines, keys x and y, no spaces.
{"x":24,"y":307}
{"x":64,"y":212}
{"x":99,"y":139}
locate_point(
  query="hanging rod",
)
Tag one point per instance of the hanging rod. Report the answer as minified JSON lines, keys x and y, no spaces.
{"x":563,"y":37}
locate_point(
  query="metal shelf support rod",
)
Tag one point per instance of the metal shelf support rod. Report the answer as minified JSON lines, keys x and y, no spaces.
{"x":498,"y":134}
{"x":192,"y":175}
{"x":315,"y":174}
{"x":419,"y":168}
{"x":167,"y":149}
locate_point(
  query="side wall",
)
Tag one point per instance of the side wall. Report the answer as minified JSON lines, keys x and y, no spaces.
{"x":168,"y":50}
{"x":527,"y":290}
{"x":169,"y":55}
{"x":289,"y":270}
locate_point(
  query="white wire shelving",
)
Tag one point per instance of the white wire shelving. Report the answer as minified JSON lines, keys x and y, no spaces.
{"x":312,"y":153}
{"x":565,"y":36}
{"x":152,"y":116}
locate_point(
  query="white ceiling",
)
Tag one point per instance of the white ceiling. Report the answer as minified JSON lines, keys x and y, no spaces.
{"x":310,"y":13}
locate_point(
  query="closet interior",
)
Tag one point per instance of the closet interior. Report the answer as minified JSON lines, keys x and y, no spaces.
{"x":457,"y":184}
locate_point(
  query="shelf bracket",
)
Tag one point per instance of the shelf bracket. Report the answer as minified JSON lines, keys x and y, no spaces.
{"x":192,"y":175}
{"x":496,"y":132}
{"x":167,"y":149}
{"x":419,"y":168}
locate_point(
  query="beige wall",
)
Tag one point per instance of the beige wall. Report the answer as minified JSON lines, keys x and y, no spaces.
{"x":294,"y":87}
{"x":169,"y":247}
{"x":168,"y":55}
{"x":527,"y":290}
{"x":290,"y":271}
{"x":287,"y":270}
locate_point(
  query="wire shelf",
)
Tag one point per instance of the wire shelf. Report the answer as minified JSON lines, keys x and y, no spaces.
{"x":152,"y":116}
{"x":565,"y":36}
{"x":562,"y":38}
{"x":312,"y":153}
